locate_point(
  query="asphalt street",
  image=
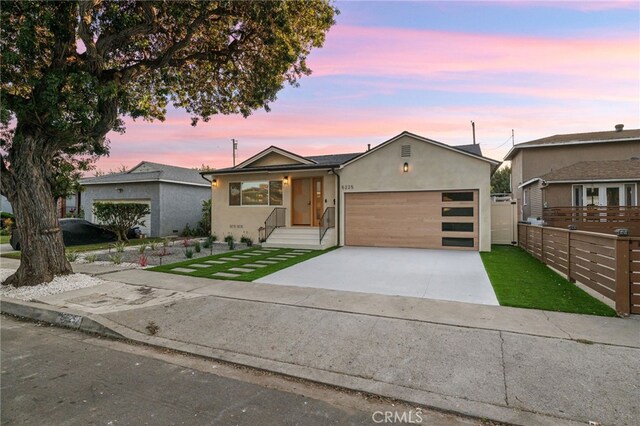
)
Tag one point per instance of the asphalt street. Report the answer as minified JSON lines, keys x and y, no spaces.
{"x":53,"y":376}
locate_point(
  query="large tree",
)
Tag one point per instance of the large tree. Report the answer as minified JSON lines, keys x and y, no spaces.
{"x":71,"y":70}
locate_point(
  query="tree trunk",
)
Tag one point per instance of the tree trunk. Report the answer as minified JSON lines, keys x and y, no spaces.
{"x":42,"y":254}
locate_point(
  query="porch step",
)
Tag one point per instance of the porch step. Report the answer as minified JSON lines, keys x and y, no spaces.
{"x":300,"y":238}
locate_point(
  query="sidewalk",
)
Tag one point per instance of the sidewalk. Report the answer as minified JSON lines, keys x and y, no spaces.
{"x":511,"y":365}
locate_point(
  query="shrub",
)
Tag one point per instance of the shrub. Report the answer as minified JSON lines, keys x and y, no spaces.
{"x":120,"y":217}
{"x":120,"y":247}
{"x":204,"y":226}
{"x":188,"y":253}
{"x":143,"y":260}
{"x":197,"y":246}
{"x":116,"y":258}
{"x":186,"y":242}
{"x":187,"y":231}
{"x":4,"y":231}
{"x":230,"y":241}
{"x":72,"y":256}
{"x":207,"y":243}
{"x":247,"y":240}
{"x":153,"y":245}
{"x":90,"y":258}
{"x":165,"y":242}
{"x":142,"y":249}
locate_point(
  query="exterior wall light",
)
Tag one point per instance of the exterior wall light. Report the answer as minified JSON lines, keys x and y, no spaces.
{"x":405,"y":167}
{"x":214,"y":182}
{"x":285,"y":180}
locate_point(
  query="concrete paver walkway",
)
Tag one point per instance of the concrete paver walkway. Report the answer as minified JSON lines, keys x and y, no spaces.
{"x":435,"y":274}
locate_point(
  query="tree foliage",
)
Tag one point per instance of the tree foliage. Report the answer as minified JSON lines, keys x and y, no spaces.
{"x":120,"y":217}
{"x":70,"y":71}
{"x":501,"y":181}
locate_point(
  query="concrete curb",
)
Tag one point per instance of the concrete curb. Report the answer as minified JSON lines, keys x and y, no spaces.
{"x":91,"y":323}
{"x":61,"y":317}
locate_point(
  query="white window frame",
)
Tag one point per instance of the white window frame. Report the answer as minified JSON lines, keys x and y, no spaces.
{"x":525,"y":197}
{"x":602,"y":192}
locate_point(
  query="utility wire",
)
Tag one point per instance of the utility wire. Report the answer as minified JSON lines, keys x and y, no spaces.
{"x":499,"y":146}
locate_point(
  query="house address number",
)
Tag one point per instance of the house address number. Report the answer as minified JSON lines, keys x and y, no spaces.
{"x":347,"y":187}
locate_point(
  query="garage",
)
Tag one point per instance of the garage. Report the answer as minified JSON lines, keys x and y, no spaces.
{"x":146,"y":229}
{"x":413,"y":219}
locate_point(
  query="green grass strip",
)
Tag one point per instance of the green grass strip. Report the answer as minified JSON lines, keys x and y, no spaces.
{"x":246,"y":276}
{"x":520,"y":280}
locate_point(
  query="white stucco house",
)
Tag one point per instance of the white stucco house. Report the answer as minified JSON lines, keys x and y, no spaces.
{"x":409,"y":191}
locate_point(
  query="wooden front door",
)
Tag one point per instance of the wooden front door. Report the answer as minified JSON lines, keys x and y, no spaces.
{"x":307,"y":201}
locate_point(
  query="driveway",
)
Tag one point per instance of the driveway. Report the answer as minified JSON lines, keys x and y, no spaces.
{"x":433,"y":274}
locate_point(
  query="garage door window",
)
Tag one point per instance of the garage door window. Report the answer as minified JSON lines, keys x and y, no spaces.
{"x":457,"y":227}
{"x":457,"y":196}
{"x":457,"y":242}
{"x":457,"y":211}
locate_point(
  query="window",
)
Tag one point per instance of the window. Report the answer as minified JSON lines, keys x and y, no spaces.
{"x":577,"y":196}
{"x":457,"y":196}
{"x":457,"y":227}
{"x":457,"y":242}
{"x":259,"y":193}
{"x":593,"y":196}
{"x":275,"y":193}
{"x":525,"y":197}
{"x":457,"y":211}
{"x":234,"y":193}
{"x":630,"y":194}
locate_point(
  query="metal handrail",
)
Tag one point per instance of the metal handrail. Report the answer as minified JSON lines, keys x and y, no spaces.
{"x":328,"y":220}
{"x":276,"y":219}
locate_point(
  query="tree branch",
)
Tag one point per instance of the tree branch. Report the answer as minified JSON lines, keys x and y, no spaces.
{"x":107,"y":41}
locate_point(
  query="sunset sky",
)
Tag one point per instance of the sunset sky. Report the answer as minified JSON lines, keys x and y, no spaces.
{"x":540,"y":68}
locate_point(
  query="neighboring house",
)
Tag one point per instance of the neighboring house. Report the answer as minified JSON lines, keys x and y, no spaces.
{"x":174,"y":195}
{"x":409,"y":191}
{"x":530,"y":161}
{"x":5,"y":205}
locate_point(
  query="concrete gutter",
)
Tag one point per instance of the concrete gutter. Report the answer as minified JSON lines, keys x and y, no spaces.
{"x":91,"y":323}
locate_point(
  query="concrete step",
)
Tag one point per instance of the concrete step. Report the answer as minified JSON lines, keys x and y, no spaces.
{"x":308,"y":238}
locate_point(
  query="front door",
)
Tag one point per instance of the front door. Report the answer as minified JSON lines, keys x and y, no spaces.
{"x":307,"y":202}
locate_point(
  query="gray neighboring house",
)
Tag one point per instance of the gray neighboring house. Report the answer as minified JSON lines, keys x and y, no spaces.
{"x":174,"y":194}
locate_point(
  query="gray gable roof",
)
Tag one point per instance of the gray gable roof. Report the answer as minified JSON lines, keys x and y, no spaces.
{"x":471,"y":149}
{"x":333,"y":159}
{"x":148,"y":171}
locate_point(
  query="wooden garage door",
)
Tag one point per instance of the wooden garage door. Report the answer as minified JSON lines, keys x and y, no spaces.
{"x":425,"y":219}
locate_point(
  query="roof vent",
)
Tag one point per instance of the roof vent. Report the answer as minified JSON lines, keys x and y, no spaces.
{"x":619,"y":127}
{"x":405,"y":151}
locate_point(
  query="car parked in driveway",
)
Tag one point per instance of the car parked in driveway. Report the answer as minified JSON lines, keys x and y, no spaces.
{"x":78,"y":232}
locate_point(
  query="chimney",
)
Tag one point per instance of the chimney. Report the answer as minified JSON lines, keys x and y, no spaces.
{"x":368,"y":147}
{"x":619,"y":127}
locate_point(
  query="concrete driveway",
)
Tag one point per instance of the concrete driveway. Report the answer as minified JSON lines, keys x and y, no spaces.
{"x":433,"y":274}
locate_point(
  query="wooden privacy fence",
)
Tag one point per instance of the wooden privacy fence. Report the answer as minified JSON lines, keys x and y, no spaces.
{"x":606,"y":263}
{"x":595,"y":218}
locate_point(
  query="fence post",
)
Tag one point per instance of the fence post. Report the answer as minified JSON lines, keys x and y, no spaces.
{"x":542,"y":244}
{"x":623,"y":295}
{"x":571,"y":280}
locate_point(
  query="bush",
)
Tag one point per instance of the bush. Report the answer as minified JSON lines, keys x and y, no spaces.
{"x":116,"y":258}
{"x":120,"y":247}
{"x":188,"y":253}
{"x":142,"y":249}
{"x":120,"y":217}
{"x":197,"y":247}
{"x":204,"y":226}
{"x":230,"y":241}
{"x":72,"y":256}
{"x":247,"y":240}
{"x":143,"y":261}
{"x":207,"y":243}
{"x":187,"y":231}
{"x":90,"y":258}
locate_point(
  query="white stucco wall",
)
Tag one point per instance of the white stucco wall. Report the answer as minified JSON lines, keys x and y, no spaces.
{"x":245,"y":220}
{"x":431,"y":167}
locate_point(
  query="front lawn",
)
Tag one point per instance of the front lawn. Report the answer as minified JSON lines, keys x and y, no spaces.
{"x":4,"y":239}
{"x":520,"y":280}
{"x":92,"y":247}
{"x":270,"y":261}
